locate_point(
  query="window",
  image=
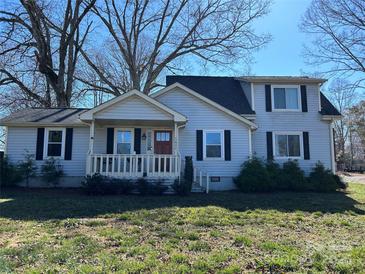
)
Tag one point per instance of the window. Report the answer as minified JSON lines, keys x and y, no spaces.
{"x":124,"y":142}
{"x":213,"y":141}
{"x":54,"y":142}
{"x":285,"y":97}
{"x":163,"y":136}
{"x":288,"y":145}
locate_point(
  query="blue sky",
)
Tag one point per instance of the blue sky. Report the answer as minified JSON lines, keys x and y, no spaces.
{"x":283,"y":55}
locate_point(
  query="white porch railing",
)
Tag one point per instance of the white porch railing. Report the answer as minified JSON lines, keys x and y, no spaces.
{"x":134,"y":165}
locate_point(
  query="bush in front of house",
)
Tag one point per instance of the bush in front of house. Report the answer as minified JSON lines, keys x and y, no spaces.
{"x":51,"y":172}
{"x":10,"y":175}
{"x":95,"y":184}
{"x":27,"y":168}
{"x":254,"y":177}
{"x":257,"y":176}
{"x":181,"y":187}
{"x":145,"y":187}
{"x":142,"y":186}
{"x":292,"y":177}
{"x":121,"y":186}
{"x":101,"y":185}
{"x":274,"y":173}
{"x":322,"y":180}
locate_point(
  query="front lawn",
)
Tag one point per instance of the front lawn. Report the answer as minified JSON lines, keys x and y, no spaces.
{"x":66,"y":231}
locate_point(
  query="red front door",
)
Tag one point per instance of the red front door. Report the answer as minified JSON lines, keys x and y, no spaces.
{"x":163,"y":142}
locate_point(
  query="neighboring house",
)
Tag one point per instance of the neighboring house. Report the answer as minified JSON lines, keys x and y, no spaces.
{"x":219,"y":121}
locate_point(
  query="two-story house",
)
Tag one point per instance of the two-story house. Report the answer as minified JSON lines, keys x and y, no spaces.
{"x":219,"y":121}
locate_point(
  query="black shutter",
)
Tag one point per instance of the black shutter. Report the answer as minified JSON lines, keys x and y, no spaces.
{"x":110,"y":140}
{"x":199,"y":145}
{"x":306,"y":145}
{"x":68,"y":145}
{"x":40,"y":144}
{"x":137,"y":140}
{"x":227,"y":145}
{"x":268,"y":97}
{"x":303,"y":93}
{"x":270,"y":153}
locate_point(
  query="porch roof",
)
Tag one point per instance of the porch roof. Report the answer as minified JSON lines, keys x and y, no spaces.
{"x":134,"y":107}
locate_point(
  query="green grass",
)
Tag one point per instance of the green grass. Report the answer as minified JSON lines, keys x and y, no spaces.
{"x":229,"y":232}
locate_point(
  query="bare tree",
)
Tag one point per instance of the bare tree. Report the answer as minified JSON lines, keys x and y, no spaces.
{"x":338,"y":28}
{"x":35,"y":43}
{"x":343,"y":94}
{"x":148,"y":37}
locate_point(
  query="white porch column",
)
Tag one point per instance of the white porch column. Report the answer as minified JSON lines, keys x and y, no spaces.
{"x":91,"y":149}
{"x":250,"y":143}
{"x":92,"y":135}
{"x":176,"y":137}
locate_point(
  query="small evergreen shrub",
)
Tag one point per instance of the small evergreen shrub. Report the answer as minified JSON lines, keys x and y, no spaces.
{"x":322,"y":179}
{"x":28,"y":168}
{"x":52,"y":171}
{"x":10,"y":175}
{"x":292,"y":177}
{"x":142,"y":186}
{"x":181,"y":187}
{"x":189,"y":172}
{"x":120,"y":186}
{"x":95,"y":184}
{"x":339,"y":182}
{"x":274,"y":173}
{"x":256,"y":176}
{"x":253,"y":177}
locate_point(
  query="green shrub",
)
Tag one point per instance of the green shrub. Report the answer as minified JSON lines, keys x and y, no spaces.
{"x":101,"y":185}
{"x":181,"y":187}
{"x":292,"y":177}
{"x":253,"y":177}
{"x":142,"y":186}
{"x":10,"y":174}
{"x":322,"y":179}
{"x":145,"y":187}
{"x":52,"y":172}
{"x":121,"y":186}
{"x":339,"y":182}
{"x":274,"y":173}
{"x":95,"y":184}
{"x":189,"y":171}
{"x":27,"y":168}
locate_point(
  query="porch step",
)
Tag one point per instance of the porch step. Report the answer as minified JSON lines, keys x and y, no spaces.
{"x":196,"y":188}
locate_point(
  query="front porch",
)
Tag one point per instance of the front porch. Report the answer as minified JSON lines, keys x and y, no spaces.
{"x":133,"y":166}
{"x":134,"y":136}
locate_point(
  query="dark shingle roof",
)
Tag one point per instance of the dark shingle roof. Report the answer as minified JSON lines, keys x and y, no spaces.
{"x":45,"y":116}
{"x":226,"y":91}
{"x":327,"y":107}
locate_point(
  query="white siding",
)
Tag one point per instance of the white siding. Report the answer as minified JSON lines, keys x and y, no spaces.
{"x":23,"y":140}
{"x":134,"y":108}
{"x":203,"y":116}
{"x":319,"y":134}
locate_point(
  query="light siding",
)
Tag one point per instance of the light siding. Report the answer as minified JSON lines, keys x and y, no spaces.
{"x":22,"y":141}
{"x":202,"y":116}
{"x":133,"y":108}
{"x":319,"y":133}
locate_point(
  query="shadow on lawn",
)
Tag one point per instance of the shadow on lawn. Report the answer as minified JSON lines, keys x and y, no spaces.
{"x":44,"y":204}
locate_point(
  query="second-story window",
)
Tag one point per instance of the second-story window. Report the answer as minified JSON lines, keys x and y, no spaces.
{"x":285,"y":97}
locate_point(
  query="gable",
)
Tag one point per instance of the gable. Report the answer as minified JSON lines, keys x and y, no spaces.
{"x":133,"y":107}
{"x":198,"y":97}
{"x":199,"y":109}
{"x":225,"y":91}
